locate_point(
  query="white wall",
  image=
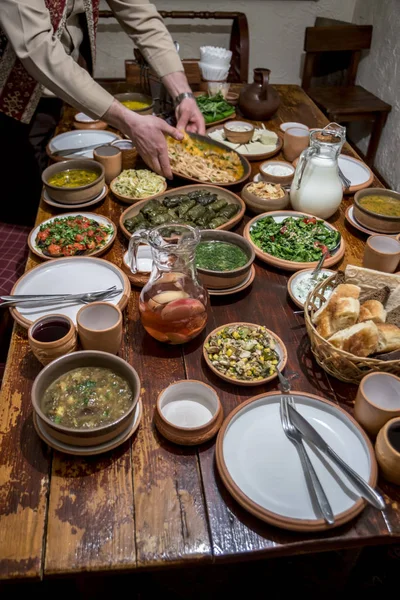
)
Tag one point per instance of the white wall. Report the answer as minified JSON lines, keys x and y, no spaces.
{"x":379,"y":73}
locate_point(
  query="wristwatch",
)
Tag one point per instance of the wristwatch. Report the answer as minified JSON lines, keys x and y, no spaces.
{"x":181,"y":97}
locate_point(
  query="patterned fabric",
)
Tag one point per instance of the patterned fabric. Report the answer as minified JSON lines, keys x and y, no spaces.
{"x":13,"y":254}
{"x":19,"y":92}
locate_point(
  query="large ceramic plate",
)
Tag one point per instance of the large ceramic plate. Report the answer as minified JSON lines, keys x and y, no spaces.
{"x":74,"y":275}
{"x":99,"y":218}
{"x":79,"y":139}
{"x":229,"y":196}
{"x":243,"y":148}
{"x":261,"y":468}
{"x":288,"y":265}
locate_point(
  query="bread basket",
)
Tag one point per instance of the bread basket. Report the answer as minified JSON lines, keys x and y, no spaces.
{"x":342,"y":365}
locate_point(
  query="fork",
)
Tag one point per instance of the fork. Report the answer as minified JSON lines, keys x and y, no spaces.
{"x":295,"y":437}
{"x":50,"y":301}
{"x":23,"y":297}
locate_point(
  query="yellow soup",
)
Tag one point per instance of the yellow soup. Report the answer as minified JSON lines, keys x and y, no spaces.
{"x":73,"y":178}
{"x":135,"y":105}
{"x":382,"y":205}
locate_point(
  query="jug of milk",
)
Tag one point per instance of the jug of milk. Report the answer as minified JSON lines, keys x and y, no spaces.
{"x":316,"y":188}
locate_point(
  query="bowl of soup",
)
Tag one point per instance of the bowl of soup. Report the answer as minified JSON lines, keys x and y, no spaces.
{"x":378,"y":209}
{"x":74,"y":181}
{"x":139,"y":103}
{"x":86,"y":398}
{"x":223,"y":259}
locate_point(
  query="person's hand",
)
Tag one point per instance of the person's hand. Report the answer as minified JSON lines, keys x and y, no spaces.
{"x":189,"y":117}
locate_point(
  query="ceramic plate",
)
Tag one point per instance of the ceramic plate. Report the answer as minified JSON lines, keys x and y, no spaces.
{"x":353,"y":221}
{"x":82,"y":118}
{"x":296,"y":277}
{"x":228,"y":118}
{"x":243,"y":148}
{"x":99,"y":218}
{"x":74,"y":275}
{"x":237,"y":288}
{"x":79,"y":139}
{"x":359,"y":174}
{"x":288,"y":265}
{"x":52,"y":202}
{"x":145,"y":264}
{"x":262,"y":470}
{"x":89,"y":450}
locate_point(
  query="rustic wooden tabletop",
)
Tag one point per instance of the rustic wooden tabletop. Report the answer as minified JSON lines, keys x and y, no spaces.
{"x":150,"y":503}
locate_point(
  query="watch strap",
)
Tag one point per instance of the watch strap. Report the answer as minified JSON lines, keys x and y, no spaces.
{"x":181,"y":97}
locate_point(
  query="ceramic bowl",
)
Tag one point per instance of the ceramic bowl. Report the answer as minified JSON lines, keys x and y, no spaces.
{"x":100,"y":327}
{"x":296,"y":277}
{"x":232,"y":98}
{"x":283,"y":180}
{"x":188,"y":412}
{"x":387,"y":450}
{"x":88,"y":358}
{"x":136,"y":97}
{"x":47,"y":351}
{"x":221,"y":280}
{"x":279,"y":347}
{"x":76,"y":195}
{"x":238,"y":137}
{"x":263,"y":205}
{"x":372,"y":220}
{"x":377,"y":401}
{"x":129,"y":199}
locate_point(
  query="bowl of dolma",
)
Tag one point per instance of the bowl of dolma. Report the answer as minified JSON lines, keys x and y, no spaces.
{"x":202,"y":206}
{"x":74,"y":181}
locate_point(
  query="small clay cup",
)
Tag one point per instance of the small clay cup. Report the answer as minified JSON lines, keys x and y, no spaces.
{"x":377,"y":401}
{"x":387,"y":450}
{"x":111,"y":159}
{"x":295,"y":140}
{"x":100,"y":327}
{"x":48,"y":351}
{"x":382,"y":253}
{"x":239,"y":137}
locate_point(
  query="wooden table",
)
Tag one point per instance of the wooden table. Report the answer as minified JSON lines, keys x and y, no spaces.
{"x":150,"y":503}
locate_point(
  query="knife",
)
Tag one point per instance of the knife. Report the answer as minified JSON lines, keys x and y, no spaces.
{"x":311,"y":435}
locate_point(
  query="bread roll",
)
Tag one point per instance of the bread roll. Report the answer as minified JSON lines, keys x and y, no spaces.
{"x":344,"y":313}
{"x":343,"y":290}
{"x":360,"y":339}
{"x":388,"y":337}
{"x":324,"y":326}
{"x":372,"y":310}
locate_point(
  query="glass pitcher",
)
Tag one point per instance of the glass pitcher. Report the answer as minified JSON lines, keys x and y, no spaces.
{"x":172,"y":304}
{"x":317,"y":188}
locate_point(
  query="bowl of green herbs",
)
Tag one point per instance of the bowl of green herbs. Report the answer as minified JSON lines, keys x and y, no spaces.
{"x":215,"y":109}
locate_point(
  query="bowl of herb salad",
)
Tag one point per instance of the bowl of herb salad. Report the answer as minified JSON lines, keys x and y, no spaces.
{"x":291,"y":240}
{"x":215,"y":109}
{"x":223,"y":259}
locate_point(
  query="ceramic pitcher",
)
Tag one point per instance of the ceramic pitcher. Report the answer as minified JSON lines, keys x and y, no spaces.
{"x":259,"y":100}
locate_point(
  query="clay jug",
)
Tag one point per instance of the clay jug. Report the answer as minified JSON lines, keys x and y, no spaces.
{"x":259,"y":100}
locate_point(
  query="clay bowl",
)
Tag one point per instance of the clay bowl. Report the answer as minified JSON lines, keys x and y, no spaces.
{"x":86,"y":358}
{"x":260,"y":205}
{"x":46,"y":352}
{"x":298,"y":275}
{"x":387,"y":450}
{"x":221,"y":280}
{"x":188,"y":412}
{"x":372,"y":220}
{"x":279,"y":347}
{"x":76,"y":195}
{"x":232,"y":98}
{"x":129,"y":199}
{"x":238,"y":137}
{"x":285,"y":180}
{"x":137,"y":97}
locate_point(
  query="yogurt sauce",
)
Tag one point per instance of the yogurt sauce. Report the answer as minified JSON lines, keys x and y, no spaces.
{"x":302,"y":285}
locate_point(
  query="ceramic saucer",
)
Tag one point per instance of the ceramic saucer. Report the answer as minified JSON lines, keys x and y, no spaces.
{"x":51,"y":202}
{"x":353,"y":221}
{"x":237,"y":288}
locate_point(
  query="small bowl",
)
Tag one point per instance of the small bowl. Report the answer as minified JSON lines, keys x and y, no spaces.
{"x":262,"y":205}
{"x":221,"y":280}
{"x":82,"y":121}
{"x":283,"y":180}
{"x":136,"y":97}
{"x":238,"y":137}
{"x":288,"y":124}
{"x":129,"y":199}
{"x":232,"y":98}
{"x":297,"y":275}
{"x":87,"y":358}
{"x":46,"y":352}
{"x":372,"y":220}
{"x":145,"y":262}
{"x":388,"y":455}
{"x":188,"y":412}
{"x":76,"y":195}
{"x":377,"y":401}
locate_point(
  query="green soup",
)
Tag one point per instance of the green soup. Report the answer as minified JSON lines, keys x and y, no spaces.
{"x":220,"y":256}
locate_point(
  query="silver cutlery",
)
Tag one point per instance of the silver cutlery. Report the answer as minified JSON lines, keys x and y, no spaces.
{"x":314,"y":274}
{"x":346,"y":182}
{"x":54,"y":296}
{"x":68,"y":151}
{"x":51,"y":301}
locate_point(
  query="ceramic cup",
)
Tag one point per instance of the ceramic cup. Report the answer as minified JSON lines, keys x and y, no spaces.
{"x":387,"y":450}
{"x":377,"y":401}
{"x":382,"y":253}
{"x":51,"y":337}
{"x":129,"y":153}
{"x":111,"y":159}
{"x":100,"y":327}
{"x":295,"y":140}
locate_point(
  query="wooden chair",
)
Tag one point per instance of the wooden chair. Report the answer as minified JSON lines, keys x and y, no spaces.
{"x":347,"y":102}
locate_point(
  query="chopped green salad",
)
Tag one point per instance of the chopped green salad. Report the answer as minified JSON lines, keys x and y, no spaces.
{"x":138,"y":183}
{"x":299,"y":239}
{"x":214,"y":108}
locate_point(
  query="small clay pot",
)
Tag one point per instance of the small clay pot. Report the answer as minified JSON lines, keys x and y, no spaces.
{"x":52,"y":326}
{"x":387,"y":450}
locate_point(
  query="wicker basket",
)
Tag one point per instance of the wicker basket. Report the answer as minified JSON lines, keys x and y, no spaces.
{"x":340,"y":364}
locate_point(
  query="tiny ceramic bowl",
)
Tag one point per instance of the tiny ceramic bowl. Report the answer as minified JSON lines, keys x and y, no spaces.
{"x":89,"y":358}
{"x":137,"y":97}
{"x":289,"y":124}
{"x":283,"y":180}
{"x":295,"y":279}
{"x":261,"y":205}
{"x":221,"y":280}
{"x":81,"y":193}
{"x":145,"y":265}
{"x":82,"y":121}
{"x":188,"y":412}
{"x":387,"y":450}
{"x":238,"y":137}
{"x":47,"y":351}
{"x":372,"y":220}
{"x":377,"y":401}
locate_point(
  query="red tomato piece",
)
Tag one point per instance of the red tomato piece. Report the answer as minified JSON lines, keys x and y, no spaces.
{"x":54,"y":250}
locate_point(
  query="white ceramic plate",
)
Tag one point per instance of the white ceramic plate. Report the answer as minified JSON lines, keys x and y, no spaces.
{"x":95,"y":200}
{"x":262,"y":468}
{"x":82,"y":118}
{"x":356,"y":171}
{"x":99,"y":218}
{"x":74,"y":275}
{"x":80,"y":139}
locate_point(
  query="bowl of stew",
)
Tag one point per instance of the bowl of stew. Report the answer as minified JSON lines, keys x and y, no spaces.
{"x":139,"y":103}
{"x":86,"y":398}
{"x":378,"y":209}
{"x":223,"y":259}
{"x":74,"y":181}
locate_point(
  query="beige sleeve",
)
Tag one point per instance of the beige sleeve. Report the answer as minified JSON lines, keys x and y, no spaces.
{"x":145,"y":27}
{"x":27,"y":25}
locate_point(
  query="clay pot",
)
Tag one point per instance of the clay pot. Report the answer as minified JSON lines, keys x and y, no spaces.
{"x":47,"y":351}
{"x":259,"y":100}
